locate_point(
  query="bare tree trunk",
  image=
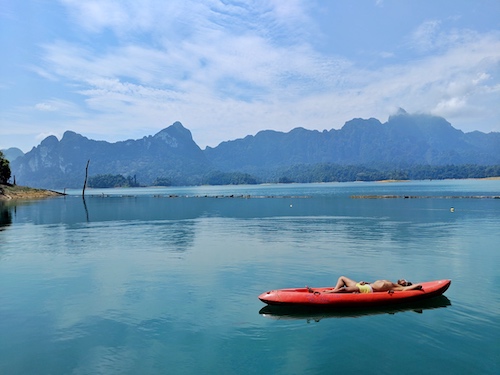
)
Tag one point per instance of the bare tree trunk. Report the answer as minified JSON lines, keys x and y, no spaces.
{"x":86,"y":175}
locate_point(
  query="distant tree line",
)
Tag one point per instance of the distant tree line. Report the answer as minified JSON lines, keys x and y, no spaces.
{"x":307,"y":173}
{"x":111,"y":181}
{"x":327,"y":172}
{"x":426,"y":172}
{"x":228,"y":178}
{"x":162,"y":181}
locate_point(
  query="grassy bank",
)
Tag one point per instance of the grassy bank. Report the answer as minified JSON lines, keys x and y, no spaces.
{"x":10,"y":192}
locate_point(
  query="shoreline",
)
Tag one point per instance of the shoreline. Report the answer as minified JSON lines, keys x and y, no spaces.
{"x":479,"y":179}
{"x":425,"y":197}
{"x":15,"y":192}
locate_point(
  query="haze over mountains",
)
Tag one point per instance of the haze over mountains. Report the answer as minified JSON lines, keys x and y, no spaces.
{"x":12,"y":153}
{"x":404,"y":140}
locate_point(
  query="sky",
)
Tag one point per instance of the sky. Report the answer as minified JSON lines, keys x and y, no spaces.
{"x":123,"y":69}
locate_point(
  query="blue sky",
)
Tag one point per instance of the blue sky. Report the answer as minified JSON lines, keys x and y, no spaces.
{"x":117,"y":70}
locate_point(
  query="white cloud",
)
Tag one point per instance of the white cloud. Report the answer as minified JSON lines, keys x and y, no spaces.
{"x":386,"y":55}
{"x":222,"y":80}
{"x":226,"y":71}
{"x":426,"y":35}
{"x":450,"y":107}
{"x":62,"y":107}
{"x":45,"y":107}
{"x":96,"y":15}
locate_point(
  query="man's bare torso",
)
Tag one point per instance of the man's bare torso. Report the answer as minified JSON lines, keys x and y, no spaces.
{"x":383,"y":285}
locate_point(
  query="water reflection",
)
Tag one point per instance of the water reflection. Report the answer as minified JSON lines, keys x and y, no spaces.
{"x":316,"y":314}
{"x":86,"y":209}
{"x":400,"y":216}
{"x":5,"y":216}
{"x":174,"y":236}
{"x":139,"y":284}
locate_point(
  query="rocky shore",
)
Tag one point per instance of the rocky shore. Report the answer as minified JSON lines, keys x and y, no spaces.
{"x":11,"y":192}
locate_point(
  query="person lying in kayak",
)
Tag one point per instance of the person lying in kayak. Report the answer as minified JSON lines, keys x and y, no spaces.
{"x":346,"y":285}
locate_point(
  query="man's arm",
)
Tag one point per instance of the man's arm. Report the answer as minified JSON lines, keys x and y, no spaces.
{"x":404,"y":288}
{"x":412,"y":287}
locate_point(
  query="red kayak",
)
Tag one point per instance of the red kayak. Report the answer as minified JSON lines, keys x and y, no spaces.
{"x":316,"y":297}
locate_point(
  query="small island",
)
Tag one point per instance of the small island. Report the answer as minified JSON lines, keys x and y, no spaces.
{"x":15,"y":192}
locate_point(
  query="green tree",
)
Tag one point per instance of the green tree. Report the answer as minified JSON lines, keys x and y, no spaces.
{"x":229,"y":178}
{"x":162,"y":181}
{"x":111,"y":181}
{"x":4,"y":169}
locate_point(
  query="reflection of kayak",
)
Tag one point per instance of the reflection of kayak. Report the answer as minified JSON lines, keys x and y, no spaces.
{"x":316,"y":297}
{"x":291,"y":312}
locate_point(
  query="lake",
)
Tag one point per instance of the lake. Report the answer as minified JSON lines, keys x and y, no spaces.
{"x":165,"y":280}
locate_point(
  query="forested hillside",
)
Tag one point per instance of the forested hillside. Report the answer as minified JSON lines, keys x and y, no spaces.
{"x":405,"y":147}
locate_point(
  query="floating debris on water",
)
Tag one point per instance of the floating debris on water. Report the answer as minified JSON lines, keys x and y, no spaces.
{"x":218,"y":196}
{"x":425,"y":196}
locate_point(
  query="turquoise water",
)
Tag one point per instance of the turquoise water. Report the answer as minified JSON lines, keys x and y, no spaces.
{"x":134,"y":281}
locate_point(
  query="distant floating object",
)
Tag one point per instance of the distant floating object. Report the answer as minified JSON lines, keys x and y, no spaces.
{"x":291,"y":205}
{"x":452,"y":209}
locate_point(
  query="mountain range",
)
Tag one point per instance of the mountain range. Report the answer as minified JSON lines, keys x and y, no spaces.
{"x":171,"y":154}
{"x":12,"y":153}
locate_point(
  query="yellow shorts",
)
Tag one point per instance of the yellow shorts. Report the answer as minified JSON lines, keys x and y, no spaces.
{"x":366,"y":288}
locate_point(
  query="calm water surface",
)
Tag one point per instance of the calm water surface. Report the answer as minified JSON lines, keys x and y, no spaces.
{"x":165,"y":281}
